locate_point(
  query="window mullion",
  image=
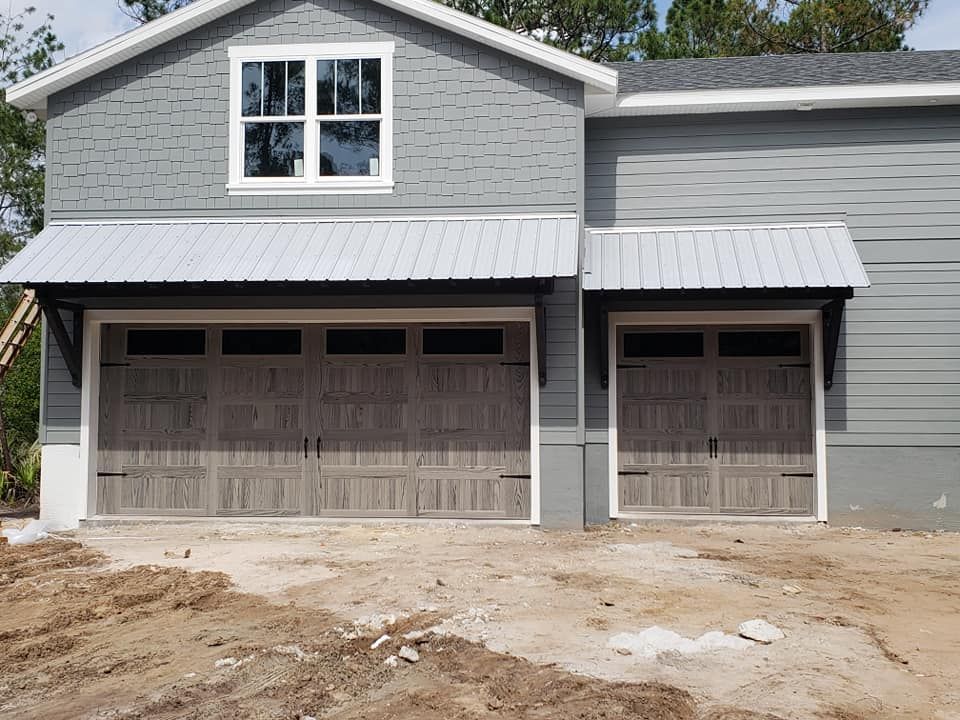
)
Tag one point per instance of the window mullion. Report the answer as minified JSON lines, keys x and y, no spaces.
{"x":310,"y":150}
{"x":263,"y":86}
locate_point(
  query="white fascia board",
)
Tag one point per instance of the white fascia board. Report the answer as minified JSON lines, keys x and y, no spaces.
{"x":33,"y":92}
{"x":590,"y":73}
{"x":815,"y":97}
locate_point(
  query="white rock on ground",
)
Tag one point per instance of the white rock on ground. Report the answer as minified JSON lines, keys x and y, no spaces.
{"x":391,"y":661}
{"x":379,"y":641}
{"x":761,"y":631}
{"x":409,"y":654}
{"x":655,"y":640}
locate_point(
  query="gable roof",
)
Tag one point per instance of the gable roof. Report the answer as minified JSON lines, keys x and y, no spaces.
{"x":33,"y":92}
{"x":769,"y":71}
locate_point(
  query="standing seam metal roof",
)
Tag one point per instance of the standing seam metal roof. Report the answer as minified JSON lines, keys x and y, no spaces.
{"x":372,"y":249}
{"x":701,"y":258}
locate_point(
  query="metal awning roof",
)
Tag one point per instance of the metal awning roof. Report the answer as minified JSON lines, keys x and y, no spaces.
{"x":745,"y":256}
{"x":300,"y":250}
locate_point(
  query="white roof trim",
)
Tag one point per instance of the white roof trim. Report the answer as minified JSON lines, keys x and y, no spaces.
{"x":33,"y":92}
{"x":814,"y":97}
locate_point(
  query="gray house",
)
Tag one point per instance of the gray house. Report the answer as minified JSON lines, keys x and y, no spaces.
{"x":377,"y":258}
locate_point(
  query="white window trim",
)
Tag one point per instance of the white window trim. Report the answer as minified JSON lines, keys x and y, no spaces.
{"x":310,"y":184}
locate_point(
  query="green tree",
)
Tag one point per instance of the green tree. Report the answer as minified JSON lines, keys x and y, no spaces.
{"x":23,"y":53}
{"x":704,"y":28}
{"x":594,"y":29}
{"x":717,"y":28}
{"x":147,"y":10}
{"x":830,"y":26}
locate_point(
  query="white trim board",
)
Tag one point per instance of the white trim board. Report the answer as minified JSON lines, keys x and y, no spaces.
{"x":94,"y":320}
{"x":32,"y":93}
{"x":720,"y":317}
{"x":814,"y":97}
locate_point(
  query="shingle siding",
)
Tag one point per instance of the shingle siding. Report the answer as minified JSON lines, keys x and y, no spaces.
{"x":473,"y":128}
{"x":59,"y":399}
{"x":892,"y":175}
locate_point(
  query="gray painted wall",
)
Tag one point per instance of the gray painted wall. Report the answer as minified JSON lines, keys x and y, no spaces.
{"x":893,"y":175}
{"x":59,"y":399}
{"x":474,"y":129}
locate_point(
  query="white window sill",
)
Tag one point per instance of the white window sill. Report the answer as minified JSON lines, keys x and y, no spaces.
{"x":352,"y":188}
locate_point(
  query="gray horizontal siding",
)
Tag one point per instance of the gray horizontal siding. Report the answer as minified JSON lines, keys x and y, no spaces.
{"x":60,"y":400}
{"x":892,"y":175}
{"x":558,"y":400}
{"x":474,"y":129}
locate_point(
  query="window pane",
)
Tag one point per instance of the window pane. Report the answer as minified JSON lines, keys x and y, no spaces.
{"x":662,"y":344}
{"x":366,"y":341}
{"x":261,"y":342}
{"x":166,"y":342}
{"x":274,"y":88}
{"x":296,"y":87}
{"x":273,"y":149}
{"x":350,"y":147}
{"x":370,"y":86}
{"x":348,"y":87}
{"x":325,"y":91}
{"x":463,"y":341}
{"x":761,"y":343}
{"x":250,"y":101}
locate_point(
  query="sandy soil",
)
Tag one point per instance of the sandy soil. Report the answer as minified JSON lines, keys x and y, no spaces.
{"x":119,"y":624}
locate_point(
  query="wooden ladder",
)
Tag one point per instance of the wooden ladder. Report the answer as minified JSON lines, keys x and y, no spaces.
{"x":17,"y":331}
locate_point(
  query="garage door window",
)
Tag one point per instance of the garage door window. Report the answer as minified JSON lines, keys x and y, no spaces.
{"x":367,"y":341}
{"x":761,"y":343}
{"x":262,"y":342}
{"x":662,"y":344}
{"x":166,"y":342}
{"x":463,"y":341}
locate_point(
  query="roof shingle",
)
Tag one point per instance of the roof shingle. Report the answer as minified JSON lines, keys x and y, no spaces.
{"x":789,"y":71}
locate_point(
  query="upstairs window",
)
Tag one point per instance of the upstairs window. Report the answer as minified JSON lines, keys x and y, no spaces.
{"x":308,"y":119}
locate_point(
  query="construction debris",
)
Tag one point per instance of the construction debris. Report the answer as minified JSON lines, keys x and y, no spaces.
{"x":760,"y":631}
{"x":409,"y":654}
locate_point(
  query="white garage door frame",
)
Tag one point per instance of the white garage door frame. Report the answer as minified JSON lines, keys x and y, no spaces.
{"x":95,"y":319}
{"x":718,"y":317}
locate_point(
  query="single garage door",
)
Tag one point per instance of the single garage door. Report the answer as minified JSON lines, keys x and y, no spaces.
{"x":715,"y":420}
{"x":414,"y":420}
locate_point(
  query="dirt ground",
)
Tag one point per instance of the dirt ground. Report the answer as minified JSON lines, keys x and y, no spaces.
{"x":277,"y":621}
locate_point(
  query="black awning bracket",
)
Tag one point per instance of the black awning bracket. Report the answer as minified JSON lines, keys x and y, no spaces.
{"x":71,"y":348}
{"x":832,"y":317}
{"x":540,"y":312}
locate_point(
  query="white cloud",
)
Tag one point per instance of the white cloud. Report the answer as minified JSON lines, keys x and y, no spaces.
{"x":80,"y":24}
{"x":937,"y":29}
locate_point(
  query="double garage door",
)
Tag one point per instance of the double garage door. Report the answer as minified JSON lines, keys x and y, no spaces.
{"x":715,"y":420}
{"x":411,"y":420}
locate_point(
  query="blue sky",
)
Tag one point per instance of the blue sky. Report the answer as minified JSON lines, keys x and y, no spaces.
{"x":84,"y":23}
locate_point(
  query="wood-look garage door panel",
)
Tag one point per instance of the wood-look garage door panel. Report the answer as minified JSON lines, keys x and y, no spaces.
{"x":152,"y":432}
{"x":664,"y":490}
{"x":316,"y":433}
{"x":362,"y":420}
{"x":470,"y":491}
{"x":364,"y":490}
{"x":741,"y":492}
{"x":146,"y":489}
{"x":473,"y":423}
{"x":754,"y":411}
{"x":259,"y":491}
{"x":258,"y":452}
